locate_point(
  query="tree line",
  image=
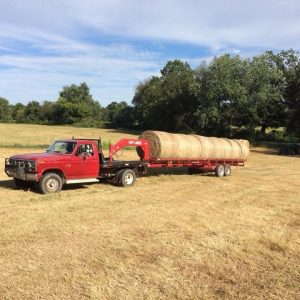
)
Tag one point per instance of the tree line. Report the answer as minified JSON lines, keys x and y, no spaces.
{"x":227,"y":96}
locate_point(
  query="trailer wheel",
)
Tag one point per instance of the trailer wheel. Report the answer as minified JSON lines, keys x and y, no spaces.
{"x":50,"y":183}
{"x":227,"y":170}
{"x":219,"y":170}
{"x":127,"y":178}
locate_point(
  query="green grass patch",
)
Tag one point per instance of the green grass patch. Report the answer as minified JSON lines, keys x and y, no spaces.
{"x":105,"y":146}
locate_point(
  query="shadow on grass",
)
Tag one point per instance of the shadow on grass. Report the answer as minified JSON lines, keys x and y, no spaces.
{"x":272,"y":152}
{"x":265,"y":151}
{"x":175,"y":171}
{"x":10,"y":185}
{"x":125,"y":131}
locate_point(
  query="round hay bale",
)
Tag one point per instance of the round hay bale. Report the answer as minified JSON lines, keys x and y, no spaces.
{"x":217,"y":151}
{"x":169,"y":145}
{"x":164,"y":145}
{"x":246,"y":142}
{"x":235,"y":149}
{"x":245,"y":150}
{"x":227,"y":148}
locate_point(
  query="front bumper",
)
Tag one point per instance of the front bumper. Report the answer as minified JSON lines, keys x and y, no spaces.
{"x":20,"y":173}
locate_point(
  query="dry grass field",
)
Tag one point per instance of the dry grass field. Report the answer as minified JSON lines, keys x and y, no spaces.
{"x":171,"y":236}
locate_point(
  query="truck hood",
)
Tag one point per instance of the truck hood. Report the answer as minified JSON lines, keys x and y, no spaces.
{"x":44,"y":156}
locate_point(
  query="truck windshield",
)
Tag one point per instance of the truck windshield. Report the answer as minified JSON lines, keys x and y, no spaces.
{"x":62,"y":147}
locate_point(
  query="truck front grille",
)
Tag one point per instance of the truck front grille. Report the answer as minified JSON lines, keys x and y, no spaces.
{"x":21,"y":163}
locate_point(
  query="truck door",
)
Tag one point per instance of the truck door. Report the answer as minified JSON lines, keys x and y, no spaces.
{"x":85,"y":161}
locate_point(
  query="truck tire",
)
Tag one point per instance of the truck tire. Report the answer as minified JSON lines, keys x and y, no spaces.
{"x":127,"y":178}
{"x":50,"y":183}
{"x":219,"y":170}
{"x":117,"y":178}
{"x":227,"y":170}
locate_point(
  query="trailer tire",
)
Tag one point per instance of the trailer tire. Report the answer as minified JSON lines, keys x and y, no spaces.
{"x":50,"y":183}
{"x":127,"y":178}
{"x":219,"y":170}
{"x":227,"y":170}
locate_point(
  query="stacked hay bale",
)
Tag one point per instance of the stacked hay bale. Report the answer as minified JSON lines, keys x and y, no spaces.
{"x":164,"y":145}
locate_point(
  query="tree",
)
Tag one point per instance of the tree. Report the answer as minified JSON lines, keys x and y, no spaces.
{"x":145,"y":102}
{"x":47,"y":112}
{"x":166,"y":102}
{"x":76,"y":105}
{"x":5,"y":112}
{"x":18,"y":112}
{"x":293,"y":102}
{"x":289,"y":63}
{"x":33,"y":112}
{"x":119,"y":115}
{"x":265,"y":85}
{"x":222,"y":96}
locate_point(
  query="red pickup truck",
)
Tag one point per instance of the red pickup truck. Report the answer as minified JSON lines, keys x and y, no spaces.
{"x":82,"y":161}
{"x":73,"y":161}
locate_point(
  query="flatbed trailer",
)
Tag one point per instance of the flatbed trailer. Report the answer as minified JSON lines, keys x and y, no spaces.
{"x":83,"y":161}
{"x":114,"y":168}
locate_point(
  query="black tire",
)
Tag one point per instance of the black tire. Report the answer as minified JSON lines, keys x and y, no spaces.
{"x":219,"y":170}
{"x":227,"y":170}
{"x":117,"y":178}
{"x":127,"y":178}
{"x":50,"y":183}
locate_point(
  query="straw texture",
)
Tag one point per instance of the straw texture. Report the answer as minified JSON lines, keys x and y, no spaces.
{"x":165,"y":145}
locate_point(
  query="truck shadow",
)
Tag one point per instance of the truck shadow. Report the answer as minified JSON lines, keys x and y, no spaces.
{"x":10,"y":185}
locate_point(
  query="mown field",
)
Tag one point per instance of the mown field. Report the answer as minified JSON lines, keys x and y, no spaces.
{"x":171,"y":236}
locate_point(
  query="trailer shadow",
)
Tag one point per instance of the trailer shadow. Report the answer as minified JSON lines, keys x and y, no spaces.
{"x":175,"y":171}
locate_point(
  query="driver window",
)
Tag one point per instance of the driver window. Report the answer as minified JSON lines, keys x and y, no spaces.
{"x":85,"y":149}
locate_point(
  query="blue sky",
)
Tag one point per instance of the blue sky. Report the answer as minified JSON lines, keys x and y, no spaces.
{"x":113,"y":45}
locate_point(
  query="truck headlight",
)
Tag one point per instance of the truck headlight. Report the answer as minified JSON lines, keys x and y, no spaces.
{"x":31,"y":164}
{"x":7,"y":161}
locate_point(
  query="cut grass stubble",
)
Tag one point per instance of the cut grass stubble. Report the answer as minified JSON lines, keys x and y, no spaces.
{"x":170,"y":236}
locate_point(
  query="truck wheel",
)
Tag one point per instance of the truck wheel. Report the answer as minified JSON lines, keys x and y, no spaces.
{"x":127,"y":178}
{"x":227,"y":170}
{"x":50,"y":183}
{"x":117,"y":178}
{"x":219,"y":170}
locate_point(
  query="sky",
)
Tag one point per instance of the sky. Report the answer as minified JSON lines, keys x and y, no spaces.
{"x":113,"y":45}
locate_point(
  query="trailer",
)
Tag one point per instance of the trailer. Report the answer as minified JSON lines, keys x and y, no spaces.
{"x":81,"y":160}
